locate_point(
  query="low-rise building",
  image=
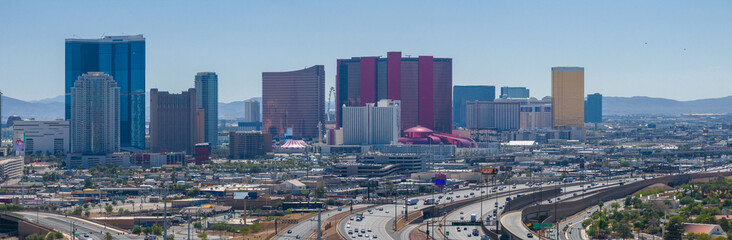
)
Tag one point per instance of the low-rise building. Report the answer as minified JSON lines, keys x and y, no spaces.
{"x":407,"y":163}
{"x":47,"y":137}
{"x":11,"y":168}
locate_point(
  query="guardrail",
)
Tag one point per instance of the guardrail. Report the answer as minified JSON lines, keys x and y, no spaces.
{"x":565,"y":209}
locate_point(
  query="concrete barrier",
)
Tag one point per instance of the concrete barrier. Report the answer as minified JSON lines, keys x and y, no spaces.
{"x":552,"y":212}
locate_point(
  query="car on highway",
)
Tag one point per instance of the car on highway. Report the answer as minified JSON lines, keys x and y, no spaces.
{"x":289,"y":231}
{"x":366,"y":236}
{"x":373,"y":236}
{"x":475,"y":232}
{"x":461,"y":212}
{"x":297,"y":236}
{"x":368,"y":230}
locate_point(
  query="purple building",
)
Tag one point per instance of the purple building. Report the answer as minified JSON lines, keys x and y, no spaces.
{"x":423,"y":85}
{"x":293,"y":100}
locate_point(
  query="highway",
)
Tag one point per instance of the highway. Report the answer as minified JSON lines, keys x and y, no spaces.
{"x":381,"y":222}
{"x":576,"y":231}
{"x":58,"y":222}
{"x":513,"y":222}
{"x":489,"y":204}
{"x":309,"y":226}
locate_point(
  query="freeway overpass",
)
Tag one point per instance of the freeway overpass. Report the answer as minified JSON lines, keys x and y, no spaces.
{"x":515,"y":221}
{"x":13,"y":224}
{"x":58,"y":222}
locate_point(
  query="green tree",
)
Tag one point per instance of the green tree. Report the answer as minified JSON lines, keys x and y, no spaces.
{"x":615,"y":205}
{"x":157,"y":230}
{"x":203,"y":236}
{"x":170,"y":237}
{"x":147,"y":230}
{"x":136,"y":230}
{"x":319,"y":191}
{"x":623,"y":230}
{"x":198,"y":225}
{"x":108,"y":236}
{"x":87,"y":213}
{"x":58,"y":235}
{"x":193,"y":192}
{"x":674,"y":229}
{"x":108,"y":208}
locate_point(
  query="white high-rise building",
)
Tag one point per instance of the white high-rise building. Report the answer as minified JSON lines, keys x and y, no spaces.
{"x":251,"y":111}
{"x":372,"y":125}
{"x":44,"y":136}
{"x":95,"y":114}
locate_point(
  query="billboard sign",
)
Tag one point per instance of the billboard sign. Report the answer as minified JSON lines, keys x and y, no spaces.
{"x":440,"y":179}
{"x":490,"y":171}
{"x":19,"y":143}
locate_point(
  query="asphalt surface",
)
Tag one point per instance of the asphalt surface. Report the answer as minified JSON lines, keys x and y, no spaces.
{"x":309,"y":226}
{"x":381,"y":222}
{"x":61,"y":223}
{"x":513,"y":221}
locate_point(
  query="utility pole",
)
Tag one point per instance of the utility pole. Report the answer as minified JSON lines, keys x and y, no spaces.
{"x":319,"y":233}
{"x":189,"y":224}
{"x":165,"y":215}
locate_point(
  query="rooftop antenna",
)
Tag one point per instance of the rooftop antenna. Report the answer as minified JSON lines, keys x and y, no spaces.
{"x":103,"y":35}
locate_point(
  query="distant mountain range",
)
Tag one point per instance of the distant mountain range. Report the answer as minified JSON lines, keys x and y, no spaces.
{"x":53,"y":108}
{"x":648,"y":105}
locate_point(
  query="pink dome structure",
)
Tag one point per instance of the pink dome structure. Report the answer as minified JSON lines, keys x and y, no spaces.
{"x":421,"y":135}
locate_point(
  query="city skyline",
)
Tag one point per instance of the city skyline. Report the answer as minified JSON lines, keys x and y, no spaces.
{"x":669,"y":52}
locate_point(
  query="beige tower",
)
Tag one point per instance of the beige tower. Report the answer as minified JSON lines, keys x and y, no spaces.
{"x":568,"y":103}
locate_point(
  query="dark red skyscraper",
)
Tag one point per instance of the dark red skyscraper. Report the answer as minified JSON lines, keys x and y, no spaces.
{"x":423,"y":85}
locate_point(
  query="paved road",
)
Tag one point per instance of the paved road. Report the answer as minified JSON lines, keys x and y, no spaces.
{"x":381,"y":222}
{"x":513,"y":221}
{"x":576,"y":231}
{"x":60,"y":223}
{"x":309,"y":226}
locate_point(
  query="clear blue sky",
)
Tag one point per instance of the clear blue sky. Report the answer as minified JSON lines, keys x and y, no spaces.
{"x":628,"y":48}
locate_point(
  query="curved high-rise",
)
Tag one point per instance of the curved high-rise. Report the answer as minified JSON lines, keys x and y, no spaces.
{"x":293,"y":100}
{"x":95,"y":114}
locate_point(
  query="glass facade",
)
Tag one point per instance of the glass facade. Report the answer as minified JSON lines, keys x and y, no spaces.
{"x":207,"y":98}
{"x":463,"y":94}
{"x":122,"y":57}
{"x":593,"y":108}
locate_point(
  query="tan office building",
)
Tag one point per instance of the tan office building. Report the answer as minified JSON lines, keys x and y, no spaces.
{"x":568,"y":92}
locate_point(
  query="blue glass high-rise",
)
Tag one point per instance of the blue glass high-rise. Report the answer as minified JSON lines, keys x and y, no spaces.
{"x":122,"y":57}
{"x":593,"y":108}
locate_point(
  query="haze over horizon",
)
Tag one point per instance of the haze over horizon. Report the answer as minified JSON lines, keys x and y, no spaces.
{"x":680,"y":51}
